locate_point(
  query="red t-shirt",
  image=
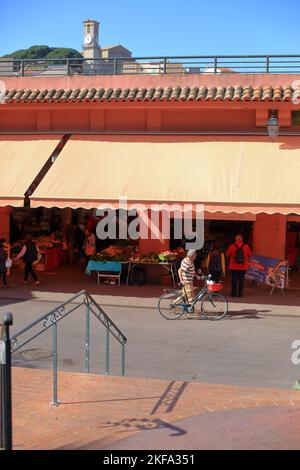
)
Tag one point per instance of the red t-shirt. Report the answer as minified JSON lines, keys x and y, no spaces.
{"x":231,"y":255}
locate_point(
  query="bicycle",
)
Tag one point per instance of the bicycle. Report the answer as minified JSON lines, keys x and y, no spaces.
{"x":173,"y":304}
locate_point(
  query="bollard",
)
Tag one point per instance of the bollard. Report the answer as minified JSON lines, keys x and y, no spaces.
{"x":5,"y":383}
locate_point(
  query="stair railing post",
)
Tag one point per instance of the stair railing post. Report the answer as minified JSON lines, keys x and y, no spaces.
{"x":87,"y":338}
{"x":55,"y":401}
{"x":6,"y":395}
{"x":107,"y":368}
{"x":123,"y":359}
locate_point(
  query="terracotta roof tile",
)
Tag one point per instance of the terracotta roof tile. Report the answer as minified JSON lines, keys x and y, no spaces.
{"x":167,"y":93}
{"x":141,"y":94}
{"x":220,"y":93}
{"x":184,"y":93}
{"x":157,"y":94}
{"x":100,"y":92}
{"x":288,"y":94}
{"x":237,"y":94}
{"x":193,"y":93}
{"x":212,"y":93}
{"x":229,"y":92}
{"x":90,"y":94}
{"x":132,"y":94}
{"x":66,"y":95}
{"x":201,"y":93}
{"x":175,"y":93}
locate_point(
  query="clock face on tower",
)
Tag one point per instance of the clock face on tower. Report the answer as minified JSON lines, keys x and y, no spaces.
{"x":88,"y":39}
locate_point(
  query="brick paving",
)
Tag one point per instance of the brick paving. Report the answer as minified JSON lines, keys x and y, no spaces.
{"x":99,"y":412}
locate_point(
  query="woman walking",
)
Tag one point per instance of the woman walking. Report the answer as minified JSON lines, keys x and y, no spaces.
{"x":3,"y":259}
{"x":30,"y":254}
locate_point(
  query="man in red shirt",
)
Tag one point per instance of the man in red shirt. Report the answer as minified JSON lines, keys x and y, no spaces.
{"x":239,"y":254}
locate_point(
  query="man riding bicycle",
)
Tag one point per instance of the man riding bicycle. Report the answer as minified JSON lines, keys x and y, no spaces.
{"x":187,"y":274}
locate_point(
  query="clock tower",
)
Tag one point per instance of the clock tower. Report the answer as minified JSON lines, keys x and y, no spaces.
{"x":91,"y":48}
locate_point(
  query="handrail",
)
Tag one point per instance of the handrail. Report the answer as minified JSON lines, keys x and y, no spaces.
{"x":184,"y":64}
{"x":52,"y":318}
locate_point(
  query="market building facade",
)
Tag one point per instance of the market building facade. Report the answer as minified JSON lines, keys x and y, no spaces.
{"x":81,"y":141}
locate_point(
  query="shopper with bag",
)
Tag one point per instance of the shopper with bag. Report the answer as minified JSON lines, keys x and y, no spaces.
{"x":239,"y":254}
{"x":31,"y":255}
{"x":4,"y":262}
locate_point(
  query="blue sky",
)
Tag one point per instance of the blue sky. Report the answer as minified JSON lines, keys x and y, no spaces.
{"x":156,"y":27}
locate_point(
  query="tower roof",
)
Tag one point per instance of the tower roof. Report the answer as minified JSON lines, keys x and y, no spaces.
{"x":91,"y":21}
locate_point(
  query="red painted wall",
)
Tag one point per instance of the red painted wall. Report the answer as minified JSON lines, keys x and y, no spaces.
{"x":269,"y":235}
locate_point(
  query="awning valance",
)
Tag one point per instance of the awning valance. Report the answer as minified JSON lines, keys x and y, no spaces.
{"x":225,"y":176}
{"x":21,"y":159}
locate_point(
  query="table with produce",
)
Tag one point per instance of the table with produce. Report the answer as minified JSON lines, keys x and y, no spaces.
{"x":130,"y":256}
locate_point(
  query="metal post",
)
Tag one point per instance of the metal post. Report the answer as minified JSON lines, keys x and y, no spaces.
{"x":165,"y":65}
{"x":115,"y":66}
{"x":87,"y":338}
{"x":215,"y":65}
{"x":6,"y":398}
{"x":68,"y":67}
{"x":107,"y":352}
{"x":123,"y":359}
{"x":267,"y":64}
{"x":22,"y":68}
{"x":55,"y":401}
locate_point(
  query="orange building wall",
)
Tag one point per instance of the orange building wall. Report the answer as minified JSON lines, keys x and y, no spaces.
{"x":269,"y":231}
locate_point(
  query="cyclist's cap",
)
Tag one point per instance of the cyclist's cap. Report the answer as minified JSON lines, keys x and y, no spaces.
{"x":191,"y":253}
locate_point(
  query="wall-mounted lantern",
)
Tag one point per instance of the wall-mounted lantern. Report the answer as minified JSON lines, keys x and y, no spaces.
{"x":273,"y":126}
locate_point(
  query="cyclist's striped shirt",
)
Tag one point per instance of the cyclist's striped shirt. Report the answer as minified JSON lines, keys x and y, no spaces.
{"x":187,"y":270}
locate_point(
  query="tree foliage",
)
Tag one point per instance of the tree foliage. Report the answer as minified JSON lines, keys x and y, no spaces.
{"x":44,"y":52}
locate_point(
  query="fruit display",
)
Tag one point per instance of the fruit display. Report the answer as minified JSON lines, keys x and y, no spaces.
{"x":167,"y":256}
{"x":44,"y":243}
{"x":150,"y":258}
{"x":129,"y":254}
{"x":114,"y":253}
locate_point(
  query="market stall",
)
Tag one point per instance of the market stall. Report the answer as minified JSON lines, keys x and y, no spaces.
{"x":129,"y":257}
{"x":51,"y":251}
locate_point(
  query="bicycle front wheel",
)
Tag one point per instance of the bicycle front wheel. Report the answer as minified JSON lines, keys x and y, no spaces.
{"x":214,"y":306}
{"x":171,"y":305}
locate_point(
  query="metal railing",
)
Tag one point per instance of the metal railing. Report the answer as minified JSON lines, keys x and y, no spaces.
{"x":156,"y":65}
{"x":52,"y":318}
{"x":5,"y":385}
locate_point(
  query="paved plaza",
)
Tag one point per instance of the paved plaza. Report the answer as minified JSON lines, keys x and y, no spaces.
{"x":181,"y":376}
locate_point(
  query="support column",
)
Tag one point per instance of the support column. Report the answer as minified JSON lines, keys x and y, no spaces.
{"x":5,"y":222}
{"x":66,"y":216}
{"x":269,"y":235}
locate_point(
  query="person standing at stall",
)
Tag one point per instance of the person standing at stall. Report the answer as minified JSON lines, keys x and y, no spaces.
{"x":89,"y":245}
{"x":238,"y":254}
{"x":30,"y":254}
{"x":215,"y":263}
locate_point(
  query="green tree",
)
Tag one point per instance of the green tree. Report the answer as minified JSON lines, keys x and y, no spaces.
{"x":34,"y":52}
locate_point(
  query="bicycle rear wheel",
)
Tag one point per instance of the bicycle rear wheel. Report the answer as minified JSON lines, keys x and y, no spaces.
{"x":214,"y":306}
{"x":167,"y":306}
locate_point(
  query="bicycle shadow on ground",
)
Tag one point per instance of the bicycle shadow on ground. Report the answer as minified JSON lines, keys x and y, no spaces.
{"x":248,"y":313}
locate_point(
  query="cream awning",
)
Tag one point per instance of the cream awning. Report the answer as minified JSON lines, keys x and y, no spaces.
{"x":225,"y":176}
{"x":21,"y":159}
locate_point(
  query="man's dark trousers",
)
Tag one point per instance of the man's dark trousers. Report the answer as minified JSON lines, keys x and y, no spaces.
{"x":237,"y":282}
